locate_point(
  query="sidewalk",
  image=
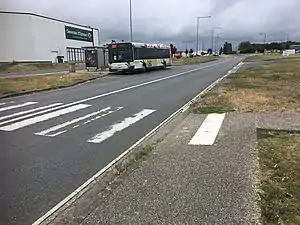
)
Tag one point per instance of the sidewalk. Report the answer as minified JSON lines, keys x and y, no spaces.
{"x":184,"y":184}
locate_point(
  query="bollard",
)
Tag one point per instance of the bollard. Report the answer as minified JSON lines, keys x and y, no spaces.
{"x":72,"y":68}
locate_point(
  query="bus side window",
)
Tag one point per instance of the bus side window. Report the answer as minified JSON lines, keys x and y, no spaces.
{"x":137,"y":53}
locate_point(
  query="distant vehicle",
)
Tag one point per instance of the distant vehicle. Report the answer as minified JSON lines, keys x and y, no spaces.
{"x":126,"y":57}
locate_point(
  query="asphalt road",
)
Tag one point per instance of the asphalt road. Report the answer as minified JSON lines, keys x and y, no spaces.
{"x":52,"y":142}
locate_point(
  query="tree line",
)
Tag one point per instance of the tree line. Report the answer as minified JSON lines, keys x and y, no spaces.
{"x":248,"y":47}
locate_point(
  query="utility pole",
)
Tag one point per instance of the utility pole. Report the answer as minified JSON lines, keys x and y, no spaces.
{"x":212,"y":36}
{"x":265,"y":37}
{"x":287,"y":37}
{"x":130,"y":21}
{"x":197,"y":38}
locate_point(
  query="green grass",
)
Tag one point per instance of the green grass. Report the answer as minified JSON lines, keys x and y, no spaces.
{"x":208,"y":110}
{"x":142,"y":152}
{"x":279,"y":157}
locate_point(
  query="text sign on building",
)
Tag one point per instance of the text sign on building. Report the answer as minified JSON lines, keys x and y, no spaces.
{"x":78,"y":34}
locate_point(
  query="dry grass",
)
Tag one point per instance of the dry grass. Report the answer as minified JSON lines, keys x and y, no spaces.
{"x":15,"y":67}
{"x":195,"y":60}
{"x":273,"y":87}
{"x":21,"y":85}
{"x":268,"y":56}
{"x":279,"y":156}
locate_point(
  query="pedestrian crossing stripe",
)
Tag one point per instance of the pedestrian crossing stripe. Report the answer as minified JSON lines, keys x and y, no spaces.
{"x":28,"y":117}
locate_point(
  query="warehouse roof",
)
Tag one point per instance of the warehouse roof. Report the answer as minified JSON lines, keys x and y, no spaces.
{"x":46,"y":17}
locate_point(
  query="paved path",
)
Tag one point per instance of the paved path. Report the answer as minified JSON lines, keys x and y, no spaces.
{"x":52,"y":142}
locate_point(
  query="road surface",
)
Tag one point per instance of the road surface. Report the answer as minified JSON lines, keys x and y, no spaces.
{"x":52,"y":142}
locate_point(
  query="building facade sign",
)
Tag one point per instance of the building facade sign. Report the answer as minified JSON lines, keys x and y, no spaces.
{"x":74,"y":33}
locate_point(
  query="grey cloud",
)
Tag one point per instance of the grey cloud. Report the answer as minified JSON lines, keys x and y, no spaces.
{"x":175,"y":20}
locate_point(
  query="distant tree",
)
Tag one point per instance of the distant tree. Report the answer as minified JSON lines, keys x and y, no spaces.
{"x":227,"y":49}
{"x":209,"y":51}
{"x":245,"y":47}
{"x":221,"y":51}
{"x":173,"y":49}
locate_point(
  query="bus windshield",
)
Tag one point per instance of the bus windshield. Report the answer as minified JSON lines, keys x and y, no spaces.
{"x":120,"y":53}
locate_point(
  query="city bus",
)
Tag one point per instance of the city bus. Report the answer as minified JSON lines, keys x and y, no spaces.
{"x":126,"y":57}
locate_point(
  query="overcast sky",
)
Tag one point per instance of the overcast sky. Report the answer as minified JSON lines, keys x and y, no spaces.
{"x":174,"y":21}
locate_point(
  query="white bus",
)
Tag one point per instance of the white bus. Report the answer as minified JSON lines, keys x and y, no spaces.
{"x":126,"y":57}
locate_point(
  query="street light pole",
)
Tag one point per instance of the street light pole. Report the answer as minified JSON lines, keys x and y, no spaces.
{"x":217,"y":43}
{"x":130,"y":20}
{"x":197,"y":38}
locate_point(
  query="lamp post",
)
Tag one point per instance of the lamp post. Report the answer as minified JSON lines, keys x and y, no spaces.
{"x":197,"y":38}
{"x":130,"y":20}
{"x":212,"y":36}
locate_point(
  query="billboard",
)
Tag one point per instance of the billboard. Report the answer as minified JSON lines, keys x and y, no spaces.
{"x":77,"y":34}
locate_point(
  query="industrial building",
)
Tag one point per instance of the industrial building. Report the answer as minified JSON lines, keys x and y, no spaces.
{"x":28,"y":37}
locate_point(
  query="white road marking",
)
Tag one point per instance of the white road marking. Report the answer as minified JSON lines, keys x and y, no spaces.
{"x":44,"y":117}
{"x":212,"y":86}
{"x":2,"y":103}
{"x":16,"y":106}
{"x":78,"y":125}
{"x":33,"y":114}
{"x":209,"y":130}
{"x":29,"y":111}
{"x":120,"y":126}
{"x":46,"y":132}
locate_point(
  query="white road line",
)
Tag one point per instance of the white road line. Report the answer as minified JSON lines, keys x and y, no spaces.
{"x":86,"y":122}
{"x":46,"y":132}
{"x":209,"y":130}
{"x":120,"y":126}
{"x":16,"y":106}
{"x":2,"y":103}
{"x":33,"y":114}
{"x":29,"y":111}
{"x":98,"y":117}
{"x":41,"y":118}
